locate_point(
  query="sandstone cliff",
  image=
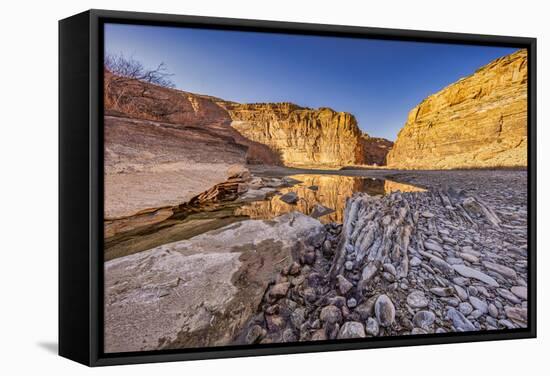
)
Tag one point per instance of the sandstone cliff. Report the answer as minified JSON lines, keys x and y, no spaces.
{"x":182,"y":110}
{"x":478,"y":122}
{"x":302,"y":136}
{"x":164,"y":146}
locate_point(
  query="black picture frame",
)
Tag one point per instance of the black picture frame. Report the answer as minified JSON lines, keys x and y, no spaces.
{"x":81,"y":185}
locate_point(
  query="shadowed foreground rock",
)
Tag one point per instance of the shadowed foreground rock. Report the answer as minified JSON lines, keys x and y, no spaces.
{"x":201,"y":291}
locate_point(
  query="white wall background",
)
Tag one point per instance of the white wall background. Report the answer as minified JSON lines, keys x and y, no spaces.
{"x":28,"y":185}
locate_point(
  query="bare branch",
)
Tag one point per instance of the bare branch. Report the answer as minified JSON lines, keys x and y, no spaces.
{"x":129,"y":68}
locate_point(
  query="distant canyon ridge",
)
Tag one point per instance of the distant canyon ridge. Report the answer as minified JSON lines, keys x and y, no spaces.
{"x":183,"y":143}
{"x":308,"y":137}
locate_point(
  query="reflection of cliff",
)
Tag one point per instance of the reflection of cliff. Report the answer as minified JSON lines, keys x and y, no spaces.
{"x":328,"y":190}
{"x":393,"y":186}
{"x":331,"y":192}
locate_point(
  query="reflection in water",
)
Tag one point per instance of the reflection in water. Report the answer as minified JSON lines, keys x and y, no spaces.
{"x":328,"y":190}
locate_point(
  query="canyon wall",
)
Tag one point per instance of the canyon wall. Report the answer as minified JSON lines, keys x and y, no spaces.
{"x":271,"y":133}
{"x":164,"y":146}
{"x":202,"y":115}
{"x":302,"y":136}
{"x":478,"y":122}
{"x":375,"y":150}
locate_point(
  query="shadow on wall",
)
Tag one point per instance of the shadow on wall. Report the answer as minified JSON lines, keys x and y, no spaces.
{"x":51,"y":347}
{"x":259,"y":153}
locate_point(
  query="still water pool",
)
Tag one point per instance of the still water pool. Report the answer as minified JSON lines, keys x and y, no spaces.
{"x":330,"y":191}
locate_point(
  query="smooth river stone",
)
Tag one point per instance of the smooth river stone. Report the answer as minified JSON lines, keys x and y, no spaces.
{"x":423,"y":319}
{"x":479,"y":304}
{"x":372,"y":328}
{"x":471,"y":251}
{"x":454,"y":260}
{"x":520,"y":292}
{"x":516,"y":314}
{"x":448,"y":239}
{"x":493,"y":310}
{"x":509,"y":295}
{"x":427,"y":214}
{"x":465,"y":308}
{"x":442,"y":291}
{"x":441,"y":265}
{"x":344,"y":285}
{"x":460,"y":322}
{"x":462,"y":294}
{"x":432,"y":246}
{"x":415,"y":261}
{"x":384,"y":310}
{"x":417,"y":299}
{"x":469,"y":257}
{"x":331,"y":314}
{"x":415,"y":331}
{"x":351,"y":329}
{"x":500,"y":269}
{"x":468,"y":272}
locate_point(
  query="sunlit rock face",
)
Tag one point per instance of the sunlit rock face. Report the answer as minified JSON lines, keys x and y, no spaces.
{"x":164,"y":146}
{"x":393,"y":186}
{"x":480,"y":121}
{"x":302,"y":136}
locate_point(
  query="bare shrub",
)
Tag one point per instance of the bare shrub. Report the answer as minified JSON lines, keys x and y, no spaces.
{"x":130,"y":69}
{"x":133,"y":90}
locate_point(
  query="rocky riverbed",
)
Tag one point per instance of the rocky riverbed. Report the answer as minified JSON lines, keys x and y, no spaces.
{"x":450,"y":257}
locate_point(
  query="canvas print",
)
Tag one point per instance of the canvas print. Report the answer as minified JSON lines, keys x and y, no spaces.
{"x":264,"y":188}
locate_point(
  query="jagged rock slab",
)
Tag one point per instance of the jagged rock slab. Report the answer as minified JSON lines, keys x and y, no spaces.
{"x":201,"y":291}
{"x":478,"y":121}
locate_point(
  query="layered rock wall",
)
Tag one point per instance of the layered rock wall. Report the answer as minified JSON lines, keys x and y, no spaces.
{"x":478,"y":122}
{"x":302,"y":136}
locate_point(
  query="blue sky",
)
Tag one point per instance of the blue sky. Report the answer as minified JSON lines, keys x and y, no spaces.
{"x":377,"y":81}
